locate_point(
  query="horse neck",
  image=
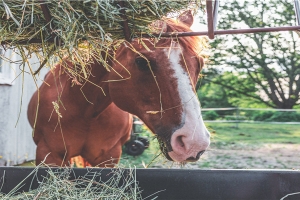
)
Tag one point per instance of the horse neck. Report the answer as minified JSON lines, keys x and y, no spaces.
{"x":92,"y":95}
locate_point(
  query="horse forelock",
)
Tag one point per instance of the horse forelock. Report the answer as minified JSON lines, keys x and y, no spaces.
{"x":194,"y":44}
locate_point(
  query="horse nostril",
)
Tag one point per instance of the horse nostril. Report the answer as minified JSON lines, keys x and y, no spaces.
{"x":192,"y":159}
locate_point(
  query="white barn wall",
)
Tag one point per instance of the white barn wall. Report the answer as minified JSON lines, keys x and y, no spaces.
{"x":16,"y":144}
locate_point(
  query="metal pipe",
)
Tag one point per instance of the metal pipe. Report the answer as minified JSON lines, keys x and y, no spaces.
{"x":215,"y":14}
{"x":226,"y":32}
{"x":210,"y":20}
{"x":297,"y":11}
{"x":183,"y":34}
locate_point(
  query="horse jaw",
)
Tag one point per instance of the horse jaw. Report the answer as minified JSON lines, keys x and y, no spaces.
{"x":192,"y":139}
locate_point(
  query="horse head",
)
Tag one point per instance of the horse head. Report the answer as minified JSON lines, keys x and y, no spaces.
{"x":155,"y":80}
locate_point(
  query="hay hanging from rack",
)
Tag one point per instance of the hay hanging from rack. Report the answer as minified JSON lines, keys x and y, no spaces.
{"x":79,"y":30}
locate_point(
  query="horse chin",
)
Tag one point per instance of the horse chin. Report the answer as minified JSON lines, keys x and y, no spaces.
{"x":165,"y":152}
{"x":167,"y":156}
{"x":172,"y":156}
{"x":164,"y":147}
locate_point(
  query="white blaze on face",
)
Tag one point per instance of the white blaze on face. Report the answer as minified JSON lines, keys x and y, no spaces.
{"x":193,"y":136}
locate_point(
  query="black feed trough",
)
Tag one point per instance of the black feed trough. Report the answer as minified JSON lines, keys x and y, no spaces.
{"x":185,"y":184}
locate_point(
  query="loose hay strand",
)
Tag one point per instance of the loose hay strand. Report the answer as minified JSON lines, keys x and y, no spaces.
{"x":291,"y":194}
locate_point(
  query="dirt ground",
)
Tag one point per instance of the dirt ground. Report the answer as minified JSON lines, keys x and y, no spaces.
{"x":269,"y":156}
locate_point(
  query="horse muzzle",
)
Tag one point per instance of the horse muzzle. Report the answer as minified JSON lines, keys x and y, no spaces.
{"x":188,"y":146}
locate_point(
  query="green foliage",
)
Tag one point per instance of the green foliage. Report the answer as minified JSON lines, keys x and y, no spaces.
{"x":255,"y":115}
{"x":285,"y":117}
{"x":234,"y":117}
{"x":262,"y":116}
{"x":259,"y":65}
{"x":249,"y":113}
{"x":210,"y":115}
{"x":253,"y":133}
{"x":214,"y":95}
{"x":270,"y":116}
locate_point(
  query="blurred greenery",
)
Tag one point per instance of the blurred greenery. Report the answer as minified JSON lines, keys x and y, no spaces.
{"x":253,"y":70}
{"x":210,"y":115}
{"x":223,"y":135}
{"x":253,"y":133}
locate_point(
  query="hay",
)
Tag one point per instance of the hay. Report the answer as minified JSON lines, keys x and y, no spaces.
{"x":79,"y":30}
{"x":121,"y":184}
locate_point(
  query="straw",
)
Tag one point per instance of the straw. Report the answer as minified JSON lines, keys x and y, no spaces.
{"x":57,"y":184}
{"x":79,"y":30}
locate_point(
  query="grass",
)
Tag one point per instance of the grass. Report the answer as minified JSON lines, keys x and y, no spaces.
{"x":254,"y":134}
{"x":150,"y":156}
{"x":252,"y":146}
{"x":247,"y":137}
{"x":234,"y":147}
{"x":227,"y":136}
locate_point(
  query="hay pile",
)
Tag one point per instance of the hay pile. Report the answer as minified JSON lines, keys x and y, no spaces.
{"x":91,"y":26}
{"x":120,"y":184}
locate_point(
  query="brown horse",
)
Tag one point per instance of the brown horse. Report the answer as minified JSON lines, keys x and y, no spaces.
{"x":157,"y":85}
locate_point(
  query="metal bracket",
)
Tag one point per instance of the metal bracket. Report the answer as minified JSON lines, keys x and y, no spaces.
{"x":212,"y":17}
{"x":47,"y":16}
{"x":210,"y":25}
{"x":126,"y":29}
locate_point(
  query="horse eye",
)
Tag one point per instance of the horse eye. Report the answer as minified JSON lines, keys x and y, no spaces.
{"x":142,"y":63}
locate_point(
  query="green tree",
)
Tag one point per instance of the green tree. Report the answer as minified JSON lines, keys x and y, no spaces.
{"x":270,"y":61}
{"x":213,"y":95}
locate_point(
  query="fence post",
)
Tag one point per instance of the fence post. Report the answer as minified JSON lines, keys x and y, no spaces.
{"x":237,"y":116}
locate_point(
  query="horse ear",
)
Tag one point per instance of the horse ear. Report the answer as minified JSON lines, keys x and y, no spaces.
{"x":186,"y":18}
